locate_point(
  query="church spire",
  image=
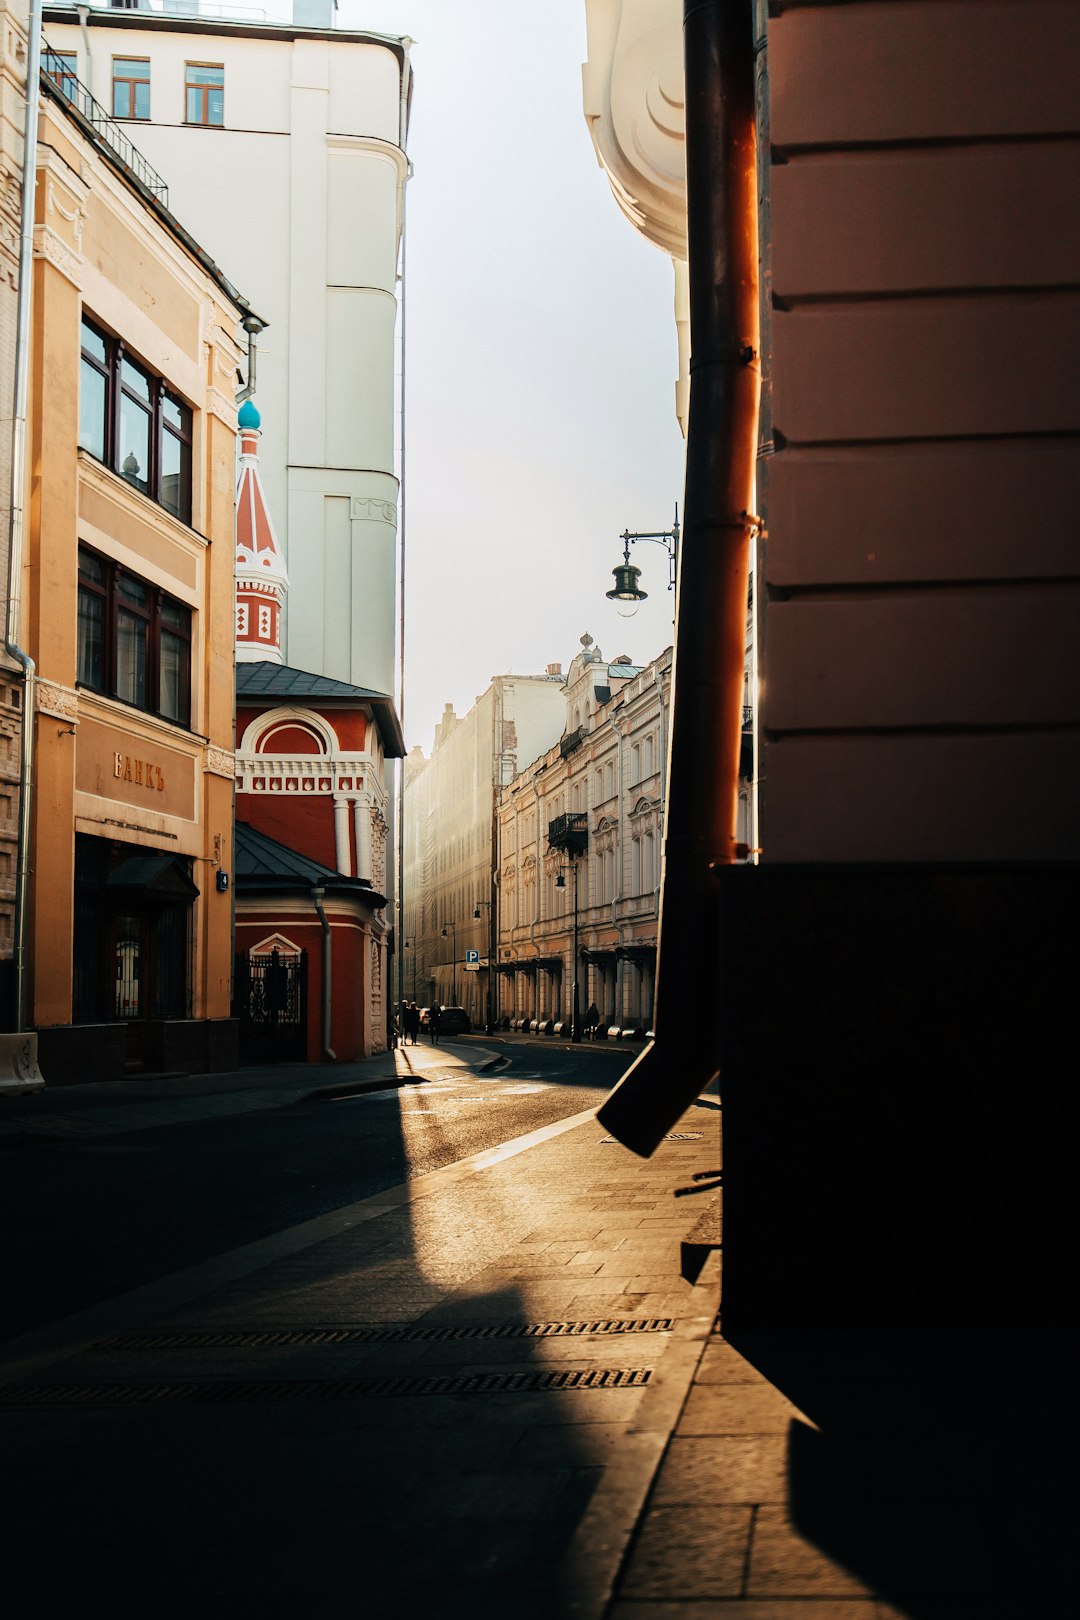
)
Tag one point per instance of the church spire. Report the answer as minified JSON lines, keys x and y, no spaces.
{"x":262,"y":578}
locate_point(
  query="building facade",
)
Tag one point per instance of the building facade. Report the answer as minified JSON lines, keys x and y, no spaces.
{"x":311,"y":813}
{"x":283,"y":144}
{"x":579,"y":847}
{"x":451,"y":904}
{"x":129,"y":617}
{"x":13,"y":44}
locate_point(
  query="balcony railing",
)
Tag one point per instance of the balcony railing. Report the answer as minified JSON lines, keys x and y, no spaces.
{"x":572,"y":740}
{"x":569,"y":833}
{"x":58,"y":79}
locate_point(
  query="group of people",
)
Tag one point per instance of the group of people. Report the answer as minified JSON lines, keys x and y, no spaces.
{"x":408,"y":1022}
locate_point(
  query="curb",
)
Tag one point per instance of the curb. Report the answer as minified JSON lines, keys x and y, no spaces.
{"x":389,"y":1082}
{"x":597,"y":1550}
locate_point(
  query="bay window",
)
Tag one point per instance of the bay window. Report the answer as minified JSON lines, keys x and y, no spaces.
{"x":134,"y":641}
{"x":130,"y":420}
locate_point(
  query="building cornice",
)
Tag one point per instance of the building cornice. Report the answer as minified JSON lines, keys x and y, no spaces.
{"x":166,"y":23}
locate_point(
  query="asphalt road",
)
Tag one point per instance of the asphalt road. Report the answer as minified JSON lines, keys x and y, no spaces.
{"x":87,"y":1219}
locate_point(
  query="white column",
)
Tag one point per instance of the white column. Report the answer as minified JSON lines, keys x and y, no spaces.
{"x":342,"y":845}
{"x":362,"y":823}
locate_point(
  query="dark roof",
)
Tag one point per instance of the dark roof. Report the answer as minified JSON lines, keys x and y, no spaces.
{"x":161,"y":875}
{"x":261,"y":865}
{"x":285,"y":684}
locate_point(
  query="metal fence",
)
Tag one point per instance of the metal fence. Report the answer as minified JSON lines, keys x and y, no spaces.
{"x":58,"y":78}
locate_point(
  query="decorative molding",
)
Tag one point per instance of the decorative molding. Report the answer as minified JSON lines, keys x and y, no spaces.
{"x":220,"y":762}
{"x":51,"y":247}
{"x":222,"y":406}
{"x":634,"y":103}
{"x":75,"y":216}
{"x":61,"y":702}
{"x":362,"y":507}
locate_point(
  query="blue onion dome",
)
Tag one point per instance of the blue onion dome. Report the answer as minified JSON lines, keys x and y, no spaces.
{"x":247,"y":416}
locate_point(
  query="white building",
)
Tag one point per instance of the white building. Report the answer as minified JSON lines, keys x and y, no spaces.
{"x":283,"y":145}
{"x":448,"y":823}
{"x":591,"y":811}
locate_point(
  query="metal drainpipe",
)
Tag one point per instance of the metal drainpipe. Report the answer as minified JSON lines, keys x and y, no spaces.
{"x":399,"y":909}
{"x":710,"y":640}
{"x":18,"y":505}
{"x":327,"y":967}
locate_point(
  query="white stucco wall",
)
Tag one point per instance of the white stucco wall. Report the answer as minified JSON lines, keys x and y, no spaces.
{"x":299,"y":198}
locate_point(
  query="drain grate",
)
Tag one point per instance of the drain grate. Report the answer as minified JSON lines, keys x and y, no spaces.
{"x":215,"y":1392}
{"x":676,"y":1136}
{"x":385,"y":1332}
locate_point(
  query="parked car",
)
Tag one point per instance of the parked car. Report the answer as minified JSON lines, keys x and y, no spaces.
{"x":455,"y":1021}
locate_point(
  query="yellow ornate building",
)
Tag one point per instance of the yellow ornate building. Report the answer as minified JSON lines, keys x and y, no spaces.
{"x":128,"y":592}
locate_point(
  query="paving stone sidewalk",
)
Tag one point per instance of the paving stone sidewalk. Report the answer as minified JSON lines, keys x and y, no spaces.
{"x":490,"y":1390}
{"x":407,"y":1407}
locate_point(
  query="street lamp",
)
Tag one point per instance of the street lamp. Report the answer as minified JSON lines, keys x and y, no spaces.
{"x":575,"y":1016}
{"x":489,"y":1027}
{"x":627,"y":576}
{"x":453,"y":965}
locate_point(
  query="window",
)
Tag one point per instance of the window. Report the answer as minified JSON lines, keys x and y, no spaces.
{"x":62,"y":68}
{"x":130,"y":420}
{"x":134,"y":642}
{"x":131,"y":87}
{"x":204,"y":94}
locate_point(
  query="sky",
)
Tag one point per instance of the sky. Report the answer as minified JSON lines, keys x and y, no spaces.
{"x":540,"y":361}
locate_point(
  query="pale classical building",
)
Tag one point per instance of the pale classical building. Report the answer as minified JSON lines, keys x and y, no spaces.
{"x":448,"y":819}
{"x":591,"y":811}
{"x":283,"y":145}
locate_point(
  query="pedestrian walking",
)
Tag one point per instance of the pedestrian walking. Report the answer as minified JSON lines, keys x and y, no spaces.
{"x":412,"y":1026}
{"x":434,"y":1019}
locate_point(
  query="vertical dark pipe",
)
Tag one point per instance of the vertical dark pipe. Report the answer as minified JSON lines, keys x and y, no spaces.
{"x":707,"y":686}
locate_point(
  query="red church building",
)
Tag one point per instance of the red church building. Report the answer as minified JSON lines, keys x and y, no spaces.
{"x":311,"y":968}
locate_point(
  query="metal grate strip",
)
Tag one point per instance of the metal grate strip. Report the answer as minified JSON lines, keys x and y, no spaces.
{"x":217,"y":1391}
{"x":384,"y":1332}
{"x":676,"y":1136}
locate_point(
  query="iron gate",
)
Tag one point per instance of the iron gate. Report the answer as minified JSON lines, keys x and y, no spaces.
{"x":271,"y":1004}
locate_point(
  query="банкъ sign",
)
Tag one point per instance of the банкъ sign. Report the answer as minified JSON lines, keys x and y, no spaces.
{"x":137,"y":771}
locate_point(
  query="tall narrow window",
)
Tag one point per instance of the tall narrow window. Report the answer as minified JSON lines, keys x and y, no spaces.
{"x":132,"y":639}
{"x":175,"y":492}
{"x":204,"y":94}
{"x":175,"y":661}
{"x":136,"y":425}
{"x":93,"y":393}
{"x":91,"y":629}
{"x":131,"y":87}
